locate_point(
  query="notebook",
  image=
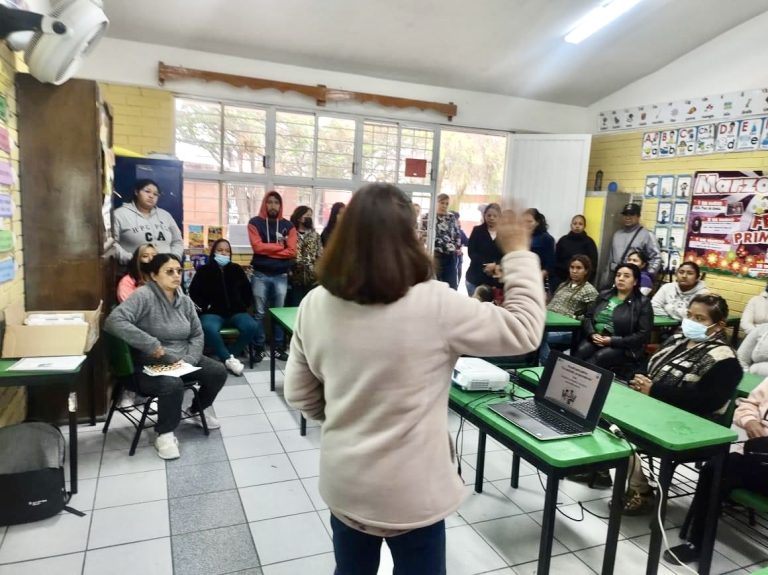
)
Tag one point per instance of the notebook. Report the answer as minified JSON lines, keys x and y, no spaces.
{"x":568,"y":401}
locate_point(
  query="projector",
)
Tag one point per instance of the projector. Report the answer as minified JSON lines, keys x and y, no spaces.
{"x":475,"y":374}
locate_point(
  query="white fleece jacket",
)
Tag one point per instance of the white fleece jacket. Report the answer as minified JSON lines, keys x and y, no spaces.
{"x":671,"y":301}
{"x":378,"y":377}
{"x":755,"y":312}
{"x":753,"y":351}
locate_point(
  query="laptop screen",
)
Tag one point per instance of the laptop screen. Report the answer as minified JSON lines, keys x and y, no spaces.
{"x":572,"y":386}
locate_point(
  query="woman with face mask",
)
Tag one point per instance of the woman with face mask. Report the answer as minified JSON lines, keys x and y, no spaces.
{"x":222,"y":294}
{"x":309,"y":248}
{"x":696,"y":371}
{"x":138,"y":271}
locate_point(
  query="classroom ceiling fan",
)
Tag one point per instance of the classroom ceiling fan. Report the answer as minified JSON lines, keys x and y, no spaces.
{"x":55,"y":37}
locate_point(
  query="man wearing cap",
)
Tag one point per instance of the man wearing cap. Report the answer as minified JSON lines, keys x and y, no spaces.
{"x":632,"y":236}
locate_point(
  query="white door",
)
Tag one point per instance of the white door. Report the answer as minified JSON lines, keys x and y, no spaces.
{"x":548,"y":172}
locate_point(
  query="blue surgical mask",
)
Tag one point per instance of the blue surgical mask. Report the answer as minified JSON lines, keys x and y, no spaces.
{"x":221,"y":260}
{"x":695,"y":331}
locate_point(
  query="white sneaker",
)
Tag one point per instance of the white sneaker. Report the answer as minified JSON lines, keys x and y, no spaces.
{"x":210,"y":418}
{"x":127,"y":401}
{"x":234,"y":365}
{"x":167,"y":446}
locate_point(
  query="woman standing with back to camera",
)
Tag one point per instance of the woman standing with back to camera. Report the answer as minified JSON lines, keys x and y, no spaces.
{"x":371,"y":357}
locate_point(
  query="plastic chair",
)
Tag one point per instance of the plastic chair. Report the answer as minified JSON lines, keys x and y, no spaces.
{"x":121,"y":363}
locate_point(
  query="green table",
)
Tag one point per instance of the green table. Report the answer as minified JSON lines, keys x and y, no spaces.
{"x":66,"y":379}
{"x":559,"y":322}
{"x":673,"y":435}
{"x":286,"y":317}
{"x":749,"y":381}
{"x":557,"y":458}
{"x":734,"y":321}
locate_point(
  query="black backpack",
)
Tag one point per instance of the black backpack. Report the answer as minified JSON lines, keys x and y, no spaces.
{"x":32,"y":473}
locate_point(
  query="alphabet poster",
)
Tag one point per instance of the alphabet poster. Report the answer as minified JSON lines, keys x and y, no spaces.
{"x":728,"y":223}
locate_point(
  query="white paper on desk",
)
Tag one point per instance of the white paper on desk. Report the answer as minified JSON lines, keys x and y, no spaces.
{"x":182,"y":369}
{"x":58,"y":363}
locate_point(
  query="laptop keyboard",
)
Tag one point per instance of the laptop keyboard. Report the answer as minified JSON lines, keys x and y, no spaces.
{"x":547,"y":417}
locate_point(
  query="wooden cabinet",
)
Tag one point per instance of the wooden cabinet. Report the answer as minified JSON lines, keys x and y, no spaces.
{"x":64,"y":139}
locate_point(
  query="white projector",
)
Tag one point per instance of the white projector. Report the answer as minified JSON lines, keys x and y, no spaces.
{"x":475,"y":374}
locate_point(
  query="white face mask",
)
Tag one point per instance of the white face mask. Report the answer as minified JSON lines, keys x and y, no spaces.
{"x":695,"y":331}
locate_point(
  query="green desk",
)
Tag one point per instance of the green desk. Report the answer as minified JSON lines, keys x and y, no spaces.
{"x":674,"y":436}
{"x":559,"y":322}
{"x":749,"y":381}
{"x":558,"y":458}
{"x":286,"y":317}
{"x":66,"y":379}
{"x":733,"y":321}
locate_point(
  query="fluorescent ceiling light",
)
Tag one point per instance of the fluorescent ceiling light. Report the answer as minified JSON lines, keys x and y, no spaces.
{"x":601,"y":16}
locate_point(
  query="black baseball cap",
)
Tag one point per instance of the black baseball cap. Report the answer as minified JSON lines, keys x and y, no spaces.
{"x":631,"y":210}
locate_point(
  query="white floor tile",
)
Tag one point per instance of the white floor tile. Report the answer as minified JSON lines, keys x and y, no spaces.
{"x":720,"y":564}
{"x":274,"y":403}
{"x":233,"y":407}
{"x":244,"y":425}
{"x":576,"y":535}
{"x":306,"y":463}
{"x":130,"y":523}
{"x":275,"y":500}
{"x":132,"y":488}
{"x":120,"y":463}
{"x":516,"y":538}
{"x":310,"y":484}
{"x":467,"y":553}
{"x":630,"y":559}
{"x":291,"y":537}
{"x":83,"y":499}
{"x":61,"y":565}
{"x":317,"y":564}
{"x":229,"y":392}
{"x":581,"y":491}
{"x":87,"y":466}
{"x":242,"y":446}
{"x":292,"y":441}
{"x":261,"y":470}
{"x":529,"y":494}
{"x":560,"y":565}
{"x":737,"y":547}
{"x":57,"y":535}
{"x":498,"y":465}
{"x":490,"y":504}
{"x":282,"y":420}
{"x":145,"y":557}
{"x":262,"y":389}
{"x":454,"y":520}
{"x":88,"y":443}
{"x":263,"y":376}
{"x":120,"y":439}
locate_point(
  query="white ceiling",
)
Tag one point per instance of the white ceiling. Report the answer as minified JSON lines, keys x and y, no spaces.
{"x":512,"y":47}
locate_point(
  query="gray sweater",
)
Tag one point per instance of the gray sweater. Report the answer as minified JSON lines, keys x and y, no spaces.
{"x":131,"y":228}
{"x":147,"y":320}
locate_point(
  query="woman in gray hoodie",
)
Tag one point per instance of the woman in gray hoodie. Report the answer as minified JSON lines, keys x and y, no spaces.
{"x":161,"y":326}
{"x":673,"y":298}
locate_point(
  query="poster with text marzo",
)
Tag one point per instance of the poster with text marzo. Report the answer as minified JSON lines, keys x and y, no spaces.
{"x":728,"y":223}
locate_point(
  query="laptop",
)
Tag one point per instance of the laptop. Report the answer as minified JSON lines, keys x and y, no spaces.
{"x":568,"y":401}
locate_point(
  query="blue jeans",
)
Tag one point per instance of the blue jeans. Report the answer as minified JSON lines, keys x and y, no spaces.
{"x":268,"y":291}
{"x":446,"y":269}
{"x":470,"y":288}
{"x":212,"y":325}
{"x":555,"y":338}
{"x":418,"y":552}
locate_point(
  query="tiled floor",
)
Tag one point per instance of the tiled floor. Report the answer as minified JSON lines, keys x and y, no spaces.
{"x":245,"y":500}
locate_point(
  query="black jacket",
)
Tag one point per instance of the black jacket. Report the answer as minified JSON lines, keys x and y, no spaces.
{"x":574,"y":244}
{"x":632,"y":321}
{"x":482,"y":250}
{"x":221,"y":291}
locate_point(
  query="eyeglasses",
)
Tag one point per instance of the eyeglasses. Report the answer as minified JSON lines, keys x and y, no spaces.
{"x":172,"y":272}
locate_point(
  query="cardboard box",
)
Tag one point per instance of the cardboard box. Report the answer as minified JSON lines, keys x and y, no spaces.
{"x":42,"y":340}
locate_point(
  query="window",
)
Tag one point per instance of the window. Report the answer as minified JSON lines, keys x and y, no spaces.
{"x":416,"y":144}
{"x":201,"y":203}
{"x":293,"y":197}
{"x":198,"y":135}
{"x":243,"y":201}
{"x":380,"y":152}
{"x":295,"y":144}
{"x":245,"y":135}
{"x":335,"y":147}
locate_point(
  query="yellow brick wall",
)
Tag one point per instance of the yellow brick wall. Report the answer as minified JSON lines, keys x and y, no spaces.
{"x":142,"y":118}
{"x":618,"y":156}
{"x":12,"y":400}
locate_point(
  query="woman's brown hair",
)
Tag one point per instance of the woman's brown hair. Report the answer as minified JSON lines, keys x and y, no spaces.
{"x":373,"y":255}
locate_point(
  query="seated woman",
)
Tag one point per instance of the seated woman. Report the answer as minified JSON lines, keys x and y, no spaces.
{"x":137,"y":275}
{"x":742,"y":471}
{"x":753,"y":351}
{"x":309,"y":248}
{"x":696,"y":371}
{"x":673,"y":298}
{"x":484,"y":254}
{"x":755,"y":312}
{"x":572,"y":299}
{"x":222,"y":293}
{"x":618,"y":325}
{"x":639,"y":258}
{"x":161,"y":325}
